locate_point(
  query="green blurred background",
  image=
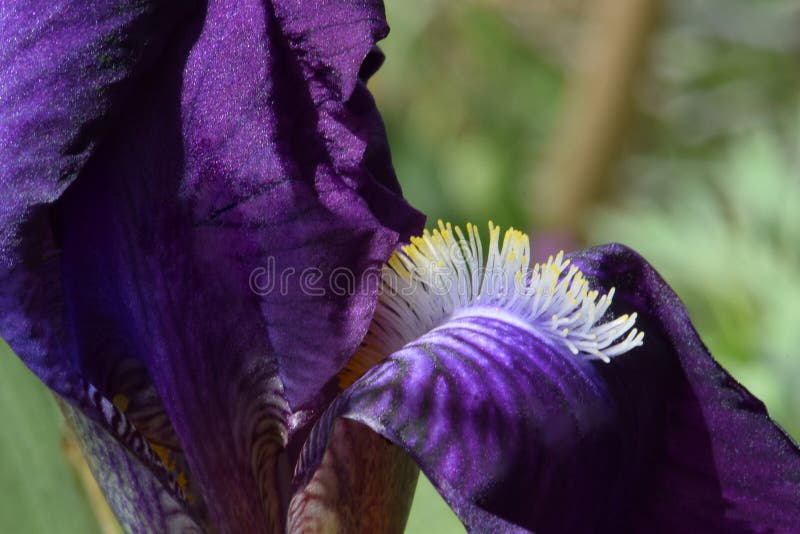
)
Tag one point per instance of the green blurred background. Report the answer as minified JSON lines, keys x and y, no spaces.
{"x":672,"y":127}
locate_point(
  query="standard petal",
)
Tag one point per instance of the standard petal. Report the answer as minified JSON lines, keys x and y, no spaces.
{"x":288,"y":171}
{"x":517,"y":433}
{"x":68,"y":69}
{"x":244,"y":145}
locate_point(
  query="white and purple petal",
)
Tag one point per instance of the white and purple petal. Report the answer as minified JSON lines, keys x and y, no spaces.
{"x":519,"y":433}
{"x":511,"y":429}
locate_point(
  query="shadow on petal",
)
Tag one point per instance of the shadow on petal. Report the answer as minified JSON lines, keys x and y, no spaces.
{"x":715,"y":455}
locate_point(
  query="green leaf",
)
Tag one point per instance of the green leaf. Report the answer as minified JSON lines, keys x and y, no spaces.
{"x":41,"y":491}
{"x":429,"y":512}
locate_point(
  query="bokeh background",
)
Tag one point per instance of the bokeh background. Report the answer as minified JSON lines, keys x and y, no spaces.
{"x":672,"y":127}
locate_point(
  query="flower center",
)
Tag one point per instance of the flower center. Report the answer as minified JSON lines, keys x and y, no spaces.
{"x":442,"y":275}
{"x":122,"y":402}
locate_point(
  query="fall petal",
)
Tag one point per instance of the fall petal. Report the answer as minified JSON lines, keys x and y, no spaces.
{"x":512,"y":430}
{"x":718,"y":457}
{"x":496,"y":400}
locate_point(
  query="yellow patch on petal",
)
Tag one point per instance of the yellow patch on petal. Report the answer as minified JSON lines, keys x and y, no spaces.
{"x":121,"y":402}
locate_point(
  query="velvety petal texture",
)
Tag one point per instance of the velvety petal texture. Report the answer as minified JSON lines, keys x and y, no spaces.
{"x":67,"y":70}
{"x":287,"y":162}
{"x":512,"y":430}
{"x":155,"y":156}
{"x":720,"y":463}
{"x":520,"y":435}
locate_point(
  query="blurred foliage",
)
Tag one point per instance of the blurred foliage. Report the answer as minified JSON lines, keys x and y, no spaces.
{"x":430,"y":512}
{"x":469,"y":104}
{"x":709,"y":190}
{"x":730,"y":246}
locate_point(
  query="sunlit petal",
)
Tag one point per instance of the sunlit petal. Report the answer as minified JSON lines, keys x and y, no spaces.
{"x":520,"y":432}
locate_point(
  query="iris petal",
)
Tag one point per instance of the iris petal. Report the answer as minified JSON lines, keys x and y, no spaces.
{"x":182,"y":150}
{"x":67,"y":72}
{"x":716,"y":454}
{"x":286,"y":161}
{"x":517,"y":433}
{"x":142,"y":495}
{"x":510,"y":428}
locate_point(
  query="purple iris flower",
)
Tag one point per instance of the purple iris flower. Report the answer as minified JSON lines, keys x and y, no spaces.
{"x":155,"y":155}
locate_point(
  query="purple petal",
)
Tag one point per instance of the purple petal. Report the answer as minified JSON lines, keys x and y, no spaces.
{"x":67,"y":71}
{"x":248,"y":139}
{"x":511,"y":429}
{"x":286,"y":160}
{"x":721,"y":461}
{"x":520,"y":435}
